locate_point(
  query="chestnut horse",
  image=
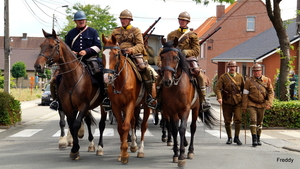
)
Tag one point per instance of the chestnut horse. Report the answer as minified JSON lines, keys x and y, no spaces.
{"x":179,"y":96}
{"x":127,"y":93}
{"x":77,"y":93}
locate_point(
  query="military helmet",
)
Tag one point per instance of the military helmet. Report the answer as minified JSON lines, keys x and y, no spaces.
{"x":79,"y":15}
{"x":126,"y":14}
{"x":184,"y":16}
{"x":231,"y":63}
{"x":256,"y":66}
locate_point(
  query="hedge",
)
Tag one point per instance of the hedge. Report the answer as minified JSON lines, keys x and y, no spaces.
{"x":10,"y":110}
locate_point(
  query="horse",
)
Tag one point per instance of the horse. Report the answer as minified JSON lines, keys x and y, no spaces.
{"x":76,"y":91}
{"x":127,"y":93}
{"x":179,"y":96}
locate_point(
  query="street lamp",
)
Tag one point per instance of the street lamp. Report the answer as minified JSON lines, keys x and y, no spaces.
{"x":54,"y":14}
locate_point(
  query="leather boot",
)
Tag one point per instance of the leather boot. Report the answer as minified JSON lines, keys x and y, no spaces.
{"x":229,"y":141}
{"x":254,"y":140}
{"x":151,"y":102}
{"x":106,"y":104}
{"x":237,"y":140}
{"x":258,"y":140}
{"x":54,"y":105}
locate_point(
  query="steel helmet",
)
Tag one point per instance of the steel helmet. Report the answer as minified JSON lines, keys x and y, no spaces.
{"x":126,"y":14}
{"x":79,"y":15}
{"x":184,"y":16}
{"x":231,"y":63}
{"x":256,"y":66}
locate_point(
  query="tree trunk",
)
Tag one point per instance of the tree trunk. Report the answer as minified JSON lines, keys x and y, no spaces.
{"x":275,"y":17}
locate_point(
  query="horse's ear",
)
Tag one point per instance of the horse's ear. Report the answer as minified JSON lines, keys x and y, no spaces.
{"x":104,"y":39}
{"x":114,"y":40}
{"x":45,"y":33}
{"x":175,"y":42}
{"x":54,"y":34}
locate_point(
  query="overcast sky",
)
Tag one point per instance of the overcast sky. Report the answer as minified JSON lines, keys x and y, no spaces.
{"x":31,"y":16}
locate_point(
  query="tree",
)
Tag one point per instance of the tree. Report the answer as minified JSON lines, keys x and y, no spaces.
{"x":279,"y":26}
{"x":97,"y":18}
{"x":18,"y":70}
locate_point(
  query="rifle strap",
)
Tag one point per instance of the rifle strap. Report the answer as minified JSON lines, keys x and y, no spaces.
{"x":233,"y":81}
{"x":74,"y":39}
{"x":184,"y":36}
{"x":257,"y":86}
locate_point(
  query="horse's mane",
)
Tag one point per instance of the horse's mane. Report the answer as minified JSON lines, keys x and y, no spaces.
{"x":182,"y":63}
{"x":61,"y":41}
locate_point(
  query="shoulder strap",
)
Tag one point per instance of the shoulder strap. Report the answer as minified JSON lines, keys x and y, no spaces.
{"x":183,"y":36}
{"x":74,"y":39}
{"x":233,"y":81}
{"x":256,"y":84}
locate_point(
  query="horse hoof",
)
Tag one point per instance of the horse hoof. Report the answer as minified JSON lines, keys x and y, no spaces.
{"x":175,"y":159}
{"x":170,"y":144}
{"x":99,"y":153}
{"x":91,"y":149}
{"x":190,"y":155}
{"x":164,"y":139}
{"x":119,"y":158}
{"x":80,"y":136}
{"x":140,"y":155}
{"x":62,"y":143}
{"x":62,"y":146}
{"x":133,"y":149}
{"x":181,"y":163}
{"x":74,"y":156}
{"x":124,"y":160}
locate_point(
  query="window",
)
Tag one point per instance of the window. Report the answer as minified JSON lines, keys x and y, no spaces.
{"x":250,"y":23}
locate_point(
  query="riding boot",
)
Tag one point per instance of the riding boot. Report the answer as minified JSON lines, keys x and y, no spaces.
{"x":228,"y":131}
{"x":149,"y":79}
{"x":106,"y":104}
{"x":205,"y":105}
{"x":54,"y":105}
{"x":53,"y":86}
{"x":237,"y":129}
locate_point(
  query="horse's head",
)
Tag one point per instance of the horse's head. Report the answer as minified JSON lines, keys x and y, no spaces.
{"x":110,"y":58}
{"x":49,"y":51}
{"x":170,"y":61}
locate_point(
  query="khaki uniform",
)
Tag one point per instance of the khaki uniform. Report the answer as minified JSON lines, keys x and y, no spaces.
{"x":256,"y":95}
{"x":229,"y":89}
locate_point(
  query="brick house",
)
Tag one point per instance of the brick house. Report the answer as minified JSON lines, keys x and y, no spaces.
{"x":239,"y":22}
{"x":24,"y":49}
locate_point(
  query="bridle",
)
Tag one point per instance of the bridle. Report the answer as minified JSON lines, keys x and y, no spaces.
{"x":116,"y":71}
{"x":169,"y":68}
{"x":55,"y":50}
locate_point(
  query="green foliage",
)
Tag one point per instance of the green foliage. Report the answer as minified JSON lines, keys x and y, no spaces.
{"x":12,"y":83}
{"x":10,"y":109}
{"x":18,"y":70}
{"x":97,"y":18}
{"x":283,"y":114}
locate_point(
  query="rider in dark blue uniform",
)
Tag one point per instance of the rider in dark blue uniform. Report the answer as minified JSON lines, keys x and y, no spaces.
{"x":84,"y":41}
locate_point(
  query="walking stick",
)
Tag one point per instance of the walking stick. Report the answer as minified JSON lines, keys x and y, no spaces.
{"x":220,"y":118}
{"x":245,"y":124}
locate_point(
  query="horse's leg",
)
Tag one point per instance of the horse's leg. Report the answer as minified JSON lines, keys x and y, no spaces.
{"x":144,"y":127}
{"x":167,"y":126}
{"x":193,"y":128}
{"x":88,"y":121}
{"x":74,"y":154}
{"x":101,"y":130}
{"x":62,"y":143}
{"x":174,"y":125}
{"x":69,"y":138}
{"x":182,"y":131}
{"x":81,"y":131}
{"x":133,"y":140}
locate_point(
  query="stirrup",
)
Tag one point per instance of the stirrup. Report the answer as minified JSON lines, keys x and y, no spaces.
{"x":54,"y":105}
{"x":205,"y":106}
{"x":106,"y":104}
{"x":151,"y":102}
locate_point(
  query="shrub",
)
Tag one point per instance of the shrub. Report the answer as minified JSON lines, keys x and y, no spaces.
{"x":10,"y":109}
{"x":283,"y":114}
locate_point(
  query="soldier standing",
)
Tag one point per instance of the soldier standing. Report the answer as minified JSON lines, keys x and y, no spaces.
{"x":229,"y":94}
{"x":258,"y":96}
{"x":131,"y":42}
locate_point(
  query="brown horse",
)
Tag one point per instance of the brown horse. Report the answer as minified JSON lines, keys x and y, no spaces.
{"x":126,"y":93}
{"x":77,"y":93}
{"x":179,"y":96}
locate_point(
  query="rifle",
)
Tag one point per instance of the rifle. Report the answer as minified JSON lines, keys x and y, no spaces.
{"x":209,"y":35}
{"x":146,"y":32}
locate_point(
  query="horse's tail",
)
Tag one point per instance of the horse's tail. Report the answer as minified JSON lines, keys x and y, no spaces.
{"x":208,"y":117}
{"x":89,"y":117}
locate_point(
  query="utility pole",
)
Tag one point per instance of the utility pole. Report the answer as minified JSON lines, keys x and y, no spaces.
{"x":7,"y":48}
{"x":53,"y":18}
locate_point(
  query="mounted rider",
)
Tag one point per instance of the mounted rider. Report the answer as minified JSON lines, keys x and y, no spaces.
{"x":84,"y":41}
{"x":131,"y":42}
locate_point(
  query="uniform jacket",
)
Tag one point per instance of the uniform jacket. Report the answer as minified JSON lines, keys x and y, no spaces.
{"x":131,"y":37}
{"x":259,"y":98}
{"x":88,"y":40}
{"x":190,"y":44}
{"x":232,"y":93}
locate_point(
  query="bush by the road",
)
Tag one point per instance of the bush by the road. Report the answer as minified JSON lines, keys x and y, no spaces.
{"x":10,"y":109}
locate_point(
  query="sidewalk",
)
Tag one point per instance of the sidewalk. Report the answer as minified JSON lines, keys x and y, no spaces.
{"x":285,"y":142}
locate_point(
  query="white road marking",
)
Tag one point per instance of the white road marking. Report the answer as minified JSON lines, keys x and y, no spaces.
{"x":26,"y":133}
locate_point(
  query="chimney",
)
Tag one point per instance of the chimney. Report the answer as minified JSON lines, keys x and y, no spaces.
{"x":220,"y":11}
{"x":24,"y":36}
